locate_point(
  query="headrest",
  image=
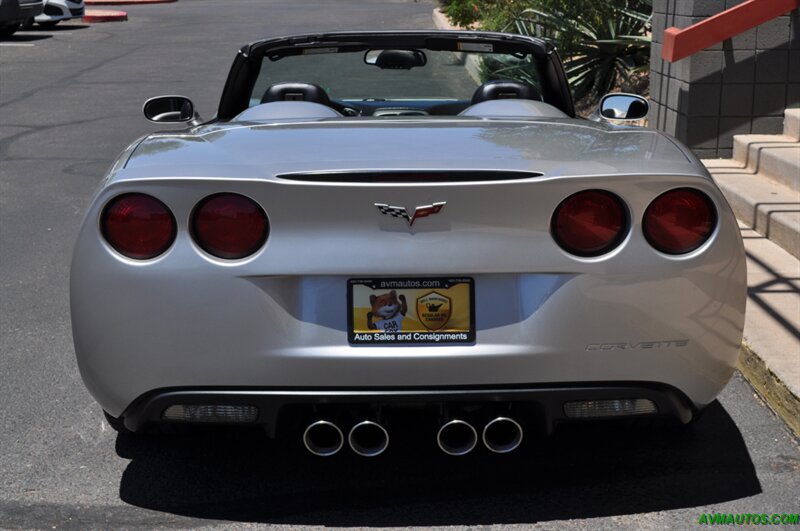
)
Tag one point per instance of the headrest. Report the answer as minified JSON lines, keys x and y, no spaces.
{"x":502,"y":89}
{"x":295,"y":91}
{"x":286,"y":110}
{"x":512,"y":109}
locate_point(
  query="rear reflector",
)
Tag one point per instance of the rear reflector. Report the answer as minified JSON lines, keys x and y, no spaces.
{"x":679,"y":221}
{"x":138,"y":226}
{"x":609,"y":408}
{"x":590,"y":223}
{"x":211,"y":413}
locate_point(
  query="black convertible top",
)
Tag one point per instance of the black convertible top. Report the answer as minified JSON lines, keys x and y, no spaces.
{"x":430,"y":39}
{"x":247,"y":64}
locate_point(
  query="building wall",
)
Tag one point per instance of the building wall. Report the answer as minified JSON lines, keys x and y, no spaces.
{"x":739,"y":86}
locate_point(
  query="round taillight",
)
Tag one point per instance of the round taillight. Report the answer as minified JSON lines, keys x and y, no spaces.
{"x":679,"y":221}
{"x":590,"y":223}
{"x":229,"y":226}
{"x":138,"y":226}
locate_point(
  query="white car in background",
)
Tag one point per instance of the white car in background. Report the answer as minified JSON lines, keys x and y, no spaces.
{"x":57,"y":10}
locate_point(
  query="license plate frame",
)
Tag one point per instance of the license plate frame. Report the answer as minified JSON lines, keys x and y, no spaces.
{"x":435,"y":313}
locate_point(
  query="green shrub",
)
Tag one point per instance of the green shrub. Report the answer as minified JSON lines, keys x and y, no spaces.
{"x":490,"y":14}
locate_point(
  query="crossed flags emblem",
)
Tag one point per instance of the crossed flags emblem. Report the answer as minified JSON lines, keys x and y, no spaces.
{"x":402,"y":212}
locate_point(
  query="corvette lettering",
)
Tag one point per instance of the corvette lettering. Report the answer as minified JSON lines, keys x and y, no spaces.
{"x":671,"y":343}
{"x":419,"y":212}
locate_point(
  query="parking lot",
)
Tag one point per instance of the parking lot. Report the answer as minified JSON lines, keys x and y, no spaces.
{"x":70,"y":101}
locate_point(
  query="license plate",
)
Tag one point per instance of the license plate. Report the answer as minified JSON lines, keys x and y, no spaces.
{"x":431,"y":311}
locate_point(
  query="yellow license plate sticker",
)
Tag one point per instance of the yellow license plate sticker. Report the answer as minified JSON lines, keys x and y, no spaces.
{"x":428,"y":311}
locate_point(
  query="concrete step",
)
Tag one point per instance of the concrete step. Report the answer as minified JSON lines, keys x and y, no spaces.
{"x":782,"y":164}
{"x":761,"y":203}
{"x":777,"y":156}
{"x":791,"y":123}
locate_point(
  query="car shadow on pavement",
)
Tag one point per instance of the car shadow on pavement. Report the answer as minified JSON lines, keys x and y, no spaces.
{"x":61,"y":27}
{"x":25,"y":37}
{"x":582,"y":471}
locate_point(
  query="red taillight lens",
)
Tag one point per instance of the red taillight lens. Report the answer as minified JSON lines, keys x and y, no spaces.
{"x":138,"y":226}
{"x":229,"y":226}
{"x":590,"y":223}
{"x":679,"y":221}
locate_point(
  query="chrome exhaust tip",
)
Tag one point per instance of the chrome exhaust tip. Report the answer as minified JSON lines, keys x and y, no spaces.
{"x":368,"y":438}
{"x":502,"y":435}
{"x":457,"y":437}
{"x":323,"y":438}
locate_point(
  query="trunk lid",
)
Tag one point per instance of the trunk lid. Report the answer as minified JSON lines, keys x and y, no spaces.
{"x":550,"y":147}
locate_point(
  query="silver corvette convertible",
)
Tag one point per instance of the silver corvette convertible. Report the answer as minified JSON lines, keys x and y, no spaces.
{"x":378,"y":224}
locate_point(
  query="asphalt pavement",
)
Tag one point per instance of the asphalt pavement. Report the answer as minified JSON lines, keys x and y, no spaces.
{"x":70,"y":101}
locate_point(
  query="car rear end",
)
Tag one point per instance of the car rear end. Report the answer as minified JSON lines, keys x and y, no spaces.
{"x":225,"y":293}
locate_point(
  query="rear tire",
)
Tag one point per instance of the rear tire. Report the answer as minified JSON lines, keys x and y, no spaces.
{"x":8,"y":30}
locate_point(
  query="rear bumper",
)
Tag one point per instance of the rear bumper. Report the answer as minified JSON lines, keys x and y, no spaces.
{"x":538,"y":406}
{"x":174,"y":332}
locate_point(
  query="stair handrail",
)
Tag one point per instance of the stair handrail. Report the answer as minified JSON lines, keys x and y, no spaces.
{"x":681,"y":43}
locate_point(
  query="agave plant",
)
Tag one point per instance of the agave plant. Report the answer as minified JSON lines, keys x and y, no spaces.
{"x":602,"y":47}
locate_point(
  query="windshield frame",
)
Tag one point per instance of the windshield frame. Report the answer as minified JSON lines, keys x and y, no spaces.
{"x":248,"y":62}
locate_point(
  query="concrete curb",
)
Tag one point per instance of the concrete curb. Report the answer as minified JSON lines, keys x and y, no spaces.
{"x":104,"y":15}
{"x":774,"y":392}
{"x":124,"y":2}
{"x":441,"y":22}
